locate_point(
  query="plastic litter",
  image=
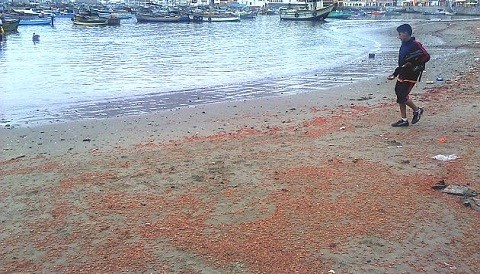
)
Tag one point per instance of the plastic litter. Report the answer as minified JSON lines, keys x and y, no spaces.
{"x":441,"y":157}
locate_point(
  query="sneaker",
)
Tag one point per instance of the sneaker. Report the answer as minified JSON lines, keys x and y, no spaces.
{"x":400,"y":123}
{"x":417,"y":115}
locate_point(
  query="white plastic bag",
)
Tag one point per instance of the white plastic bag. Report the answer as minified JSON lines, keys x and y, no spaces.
{"x":445,"y":157}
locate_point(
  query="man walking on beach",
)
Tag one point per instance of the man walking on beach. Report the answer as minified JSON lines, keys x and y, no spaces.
{"x":412,"y":57}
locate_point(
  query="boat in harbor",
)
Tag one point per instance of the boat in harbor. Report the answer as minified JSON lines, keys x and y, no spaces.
{"x":311,"y":11}
{"x":118,"y":14}
{"x":89,"y":20}
{"x":162,"y":18}
{"x":10,"y":25}
{"x":30,"y":17}
{"x":340,"y":14}
{"x":216,"y":16}
{"x":36,"y":21}
{"x":247,"y":14}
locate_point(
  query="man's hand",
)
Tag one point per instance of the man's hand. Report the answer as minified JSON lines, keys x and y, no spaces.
{"x":391,"y":77}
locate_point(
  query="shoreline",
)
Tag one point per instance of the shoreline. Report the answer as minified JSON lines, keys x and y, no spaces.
{"x":360,"y":70}
{"x":299,"y":183}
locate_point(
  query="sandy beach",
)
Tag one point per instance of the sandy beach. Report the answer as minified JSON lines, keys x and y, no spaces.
{"x":317,"y":182}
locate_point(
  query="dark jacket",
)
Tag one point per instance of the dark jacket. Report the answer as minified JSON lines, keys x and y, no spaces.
{"x":412,"y":57}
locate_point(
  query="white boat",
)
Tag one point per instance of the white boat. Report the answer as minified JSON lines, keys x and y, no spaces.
{"x":216,"y":17}
{"x":311,"y":11}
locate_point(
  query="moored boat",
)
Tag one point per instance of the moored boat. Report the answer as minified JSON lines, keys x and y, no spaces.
{"x":10,"y":25}
{"x":215,"y":16}
{"x":340,"y":14}
{"x":89,"y":20}
{"x":36,"y":21}
{"x":30,"y":17}
{"x":247,"y":14}
{"x":117,"y":14}
{"x":162,"y":18}
{"x":309,"y":12}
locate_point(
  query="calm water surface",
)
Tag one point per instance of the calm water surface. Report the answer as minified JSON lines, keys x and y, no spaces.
{"x":87,"y":72}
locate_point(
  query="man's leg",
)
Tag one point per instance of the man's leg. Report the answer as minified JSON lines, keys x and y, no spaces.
{"x":411,"y":105}
{"x":403,"y":110}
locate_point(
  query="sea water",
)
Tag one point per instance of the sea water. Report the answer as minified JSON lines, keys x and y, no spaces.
{"x":78,"y":72}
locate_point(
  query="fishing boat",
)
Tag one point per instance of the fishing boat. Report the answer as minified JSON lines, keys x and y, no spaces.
{"x":311,"y":11}
{"x":89,"y":20}
{"x":30,"y":17}
{"x":118,"y":14}
{"x":162,"y":18}
{"x":340,"y":14}
{"x":216,"y":16}
{"x":10,"y":25}
{"x":64,"y":14}
{"x":247,"y":14}
{"x":36,"y":21}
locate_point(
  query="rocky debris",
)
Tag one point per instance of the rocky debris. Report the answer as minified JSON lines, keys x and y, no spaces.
{"x":468,"y":194}
{"x":472,"y":202}
{"x":461,"y":190}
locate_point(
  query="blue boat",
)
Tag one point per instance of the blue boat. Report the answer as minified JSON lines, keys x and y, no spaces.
{"x":29,"y":17}
{"x":36,"y":21}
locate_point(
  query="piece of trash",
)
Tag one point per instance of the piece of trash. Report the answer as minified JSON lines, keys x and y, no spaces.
{"x":471,"y":202}
{"x":371,"y":55}
{"x":445,"y":157}
{"x":451,"y":266}
{"x":439,"y":78}
{"x":474,"y":203}
{"x":442,"y":140}
{"x":466,"y":202}
{"x":460,"y":190}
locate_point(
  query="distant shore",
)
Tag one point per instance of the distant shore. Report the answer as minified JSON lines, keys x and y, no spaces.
{"x":305,"y":183}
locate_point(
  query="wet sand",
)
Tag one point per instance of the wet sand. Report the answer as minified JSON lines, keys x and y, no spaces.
{"x":305,"y":183}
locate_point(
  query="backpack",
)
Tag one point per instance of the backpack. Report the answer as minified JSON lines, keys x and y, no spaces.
{"x":418,"y":59}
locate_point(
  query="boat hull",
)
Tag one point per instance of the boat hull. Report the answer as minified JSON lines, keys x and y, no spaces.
{"x":121,"y":16}
{"x":306,"y":15}
{"x":11,"y":25}
{"x":216,"y":18}
{"x":36,"y":22}
{"x":91,"y":20}
{"x":221,"y":19}
{"x":90,"y":23}
{"x":340,"y":14}
{"x":162,"y":19}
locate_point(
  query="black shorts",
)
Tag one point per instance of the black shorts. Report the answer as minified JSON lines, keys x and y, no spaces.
{"x":402,"y":90}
